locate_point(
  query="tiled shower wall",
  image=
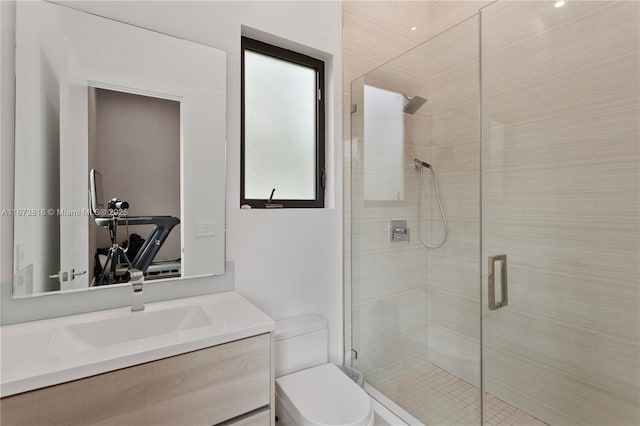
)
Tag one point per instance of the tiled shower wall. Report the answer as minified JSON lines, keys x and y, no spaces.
{"x":561,"y":197}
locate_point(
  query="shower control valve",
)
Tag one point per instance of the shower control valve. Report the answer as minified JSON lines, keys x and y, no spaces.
{"x":399,"y":231}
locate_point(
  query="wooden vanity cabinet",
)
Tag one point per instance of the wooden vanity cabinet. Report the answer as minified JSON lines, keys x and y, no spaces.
{"x":229,"y":383}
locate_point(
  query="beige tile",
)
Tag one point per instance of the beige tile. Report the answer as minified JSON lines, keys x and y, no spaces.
{"x":420,"y":392}
{"x":561,"y":198}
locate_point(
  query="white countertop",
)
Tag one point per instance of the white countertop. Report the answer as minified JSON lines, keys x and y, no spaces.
{"x":53,"y":351}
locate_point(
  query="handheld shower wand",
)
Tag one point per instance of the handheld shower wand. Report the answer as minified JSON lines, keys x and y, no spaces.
{"x":421,"y":165}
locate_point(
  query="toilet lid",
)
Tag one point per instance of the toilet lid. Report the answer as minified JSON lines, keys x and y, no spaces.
{"x":324,"y":395}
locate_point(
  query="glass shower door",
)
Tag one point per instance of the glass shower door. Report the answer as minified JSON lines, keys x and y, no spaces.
{"x":561,"y":208}
{"x":415,"y":311}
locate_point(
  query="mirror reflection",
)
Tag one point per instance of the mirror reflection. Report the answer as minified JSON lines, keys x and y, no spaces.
{"x":134,"y":150}
{"x":132,"y":165}
{"x":120,"y":137}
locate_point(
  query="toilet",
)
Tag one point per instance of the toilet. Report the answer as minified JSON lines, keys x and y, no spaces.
{"x":309,"y":389}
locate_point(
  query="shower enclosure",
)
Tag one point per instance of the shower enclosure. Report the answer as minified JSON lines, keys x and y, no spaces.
{"x":529,"y":313}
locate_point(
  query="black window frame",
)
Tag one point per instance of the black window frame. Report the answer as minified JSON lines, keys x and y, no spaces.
{"x":320,"y":172}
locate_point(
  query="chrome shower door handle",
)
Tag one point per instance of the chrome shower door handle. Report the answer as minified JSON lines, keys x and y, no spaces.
{"x":504,"y":299}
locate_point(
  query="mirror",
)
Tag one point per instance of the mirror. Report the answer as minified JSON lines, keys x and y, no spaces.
{"x":119,"y":153}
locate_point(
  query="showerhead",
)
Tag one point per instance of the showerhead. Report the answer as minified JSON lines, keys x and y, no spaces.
{"x":419,"y":163}
{"x":413,"y":104}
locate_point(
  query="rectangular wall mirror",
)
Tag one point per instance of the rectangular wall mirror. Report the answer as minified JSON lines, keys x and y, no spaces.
{"x":119,"y":153}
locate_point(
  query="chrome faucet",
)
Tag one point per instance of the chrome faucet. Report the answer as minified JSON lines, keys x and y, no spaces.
{"x":137,"y":279}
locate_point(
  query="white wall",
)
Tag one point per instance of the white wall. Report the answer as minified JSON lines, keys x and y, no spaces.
{"x":7,"y":133}
{"x":287,"y":262}
{"x":37,"y":182}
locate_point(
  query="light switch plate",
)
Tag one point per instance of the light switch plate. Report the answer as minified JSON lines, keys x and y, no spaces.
{"x":205,"y":229}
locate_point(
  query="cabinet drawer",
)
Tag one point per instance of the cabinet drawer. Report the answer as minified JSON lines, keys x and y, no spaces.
{"x":259,"y":418}
{"x":203,"y":387}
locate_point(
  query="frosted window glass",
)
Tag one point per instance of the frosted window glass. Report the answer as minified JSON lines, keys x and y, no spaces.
{"x":383,"y":145}
{"x":280,"y":128}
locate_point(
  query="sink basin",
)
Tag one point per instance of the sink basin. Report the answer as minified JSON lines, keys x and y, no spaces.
{"x":139,"y":325}
{"x":38,"y":354}
{"x":38,"y":344}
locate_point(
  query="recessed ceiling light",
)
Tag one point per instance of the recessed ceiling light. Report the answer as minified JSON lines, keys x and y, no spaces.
{"x":559,"y":3}
{"x":414,"y":28}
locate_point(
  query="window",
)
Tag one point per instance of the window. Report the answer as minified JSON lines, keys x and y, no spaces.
{"x":384,"y":167}
{"x":282,"y":127}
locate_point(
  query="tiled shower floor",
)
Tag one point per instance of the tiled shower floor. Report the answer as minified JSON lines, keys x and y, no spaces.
{"x":438,"y":398}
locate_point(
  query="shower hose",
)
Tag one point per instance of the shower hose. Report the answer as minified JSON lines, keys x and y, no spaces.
{"x":444,"y":218}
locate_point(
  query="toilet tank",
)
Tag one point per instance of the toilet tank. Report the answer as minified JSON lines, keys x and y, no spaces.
{"x":300,"y":343}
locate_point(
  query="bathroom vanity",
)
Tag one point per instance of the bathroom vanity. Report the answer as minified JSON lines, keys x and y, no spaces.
{"x":194,"y":361}
{"x":200,"y":361}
